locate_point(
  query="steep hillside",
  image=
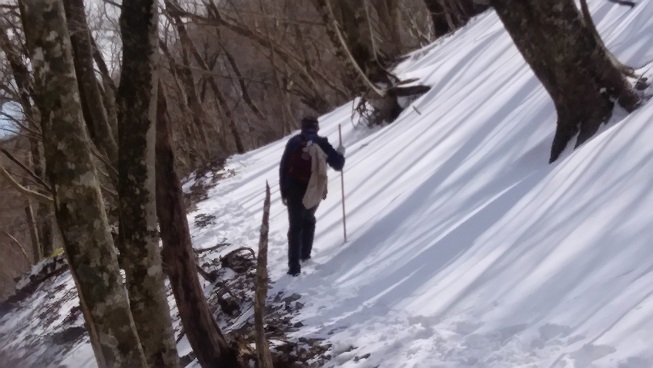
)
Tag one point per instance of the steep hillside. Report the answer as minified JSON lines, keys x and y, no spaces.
{"x":466,"y":249}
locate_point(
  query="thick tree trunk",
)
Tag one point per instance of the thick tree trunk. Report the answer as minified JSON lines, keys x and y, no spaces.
{"x":573,"y":66}
{"x":139,"y":240}
{"x":92,"y":103}
{"x":78,"y":202}
{"x":204,"y":335}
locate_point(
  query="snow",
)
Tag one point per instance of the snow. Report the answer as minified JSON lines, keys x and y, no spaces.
{"x":465,"y":247}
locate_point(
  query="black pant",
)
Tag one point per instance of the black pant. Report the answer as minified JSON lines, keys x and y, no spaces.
{"x":301,"y":230}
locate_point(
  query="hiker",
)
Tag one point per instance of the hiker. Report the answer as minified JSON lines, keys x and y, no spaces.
{"x":303,"y":183}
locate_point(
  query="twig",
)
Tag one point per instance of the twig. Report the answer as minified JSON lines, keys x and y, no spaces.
{"x":230,"y":254}
{"x":181,"y":336}
{"x":113,"y":3}
{"x":199,"y":251}
{"x":25,"y":191}
{"x":623,"y":2}
{"x":26,"y":169}
{"x":206,"y":275}
{"x":20,"y":246}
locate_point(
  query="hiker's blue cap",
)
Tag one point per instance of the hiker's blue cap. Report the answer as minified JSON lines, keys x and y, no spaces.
{"x":310,"y":123}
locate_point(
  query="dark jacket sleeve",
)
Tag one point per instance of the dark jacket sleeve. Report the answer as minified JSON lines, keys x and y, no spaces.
{"x":334,"y":159}
{"x":283,"y":166}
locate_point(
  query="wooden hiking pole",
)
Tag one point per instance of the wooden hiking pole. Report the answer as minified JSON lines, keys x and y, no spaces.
{"x":342,"y":181}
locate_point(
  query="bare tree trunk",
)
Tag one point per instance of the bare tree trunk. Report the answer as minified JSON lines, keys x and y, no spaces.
{"x":22,"y":78}
{"x":356,"y":50}
{"x":264,"y":357}
{"x":204,"y":335}
{"x":449,"y":15}
{"x":193,"y":132}
{"x":575,"y":69}
{"x":319,"y":103}
{"x":388,"y":13}
{"x":188,"y":43}
{"x":37,"y":251}
{"x":138,"y":224}
{"x":92,"y":103}
{"x":108,"y":88}
{"x":354,"y":54}
{"x":46,"y":232}
{"x":198,"y":114}
{"x":33,"y":233}
{"x":438,"y":17}
{"x":589,"y":22}
{"x":78,"y":202}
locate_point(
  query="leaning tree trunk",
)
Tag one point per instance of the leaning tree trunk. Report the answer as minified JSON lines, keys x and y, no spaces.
{"x":139,"y":241}
{"x":204,"y":335}
{"x":92,"y":102}
{"x":573,"y":66}
{"x":78,"y":202}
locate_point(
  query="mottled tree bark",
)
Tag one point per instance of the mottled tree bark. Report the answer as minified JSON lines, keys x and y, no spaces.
{"x":95,"y":114}
{"x":78,"y":202}
{"x":573,"y":66}
{"x":204,"y":335}
{"x":139,"y":240}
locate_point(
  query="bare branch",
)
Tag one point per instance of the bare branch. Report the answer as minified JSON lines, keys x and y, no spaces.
{"x":26,"y":169}
{"x":19,"y":245}
{"x":25,"y":191}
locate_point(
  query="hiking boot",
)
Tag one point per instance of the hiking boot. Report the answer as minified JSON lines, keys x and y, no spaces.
{"x":294,"y":273}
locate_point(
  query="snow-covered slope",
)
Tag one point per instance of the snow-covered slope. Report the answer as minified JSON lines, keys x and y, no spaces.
{"x":466,"y":249}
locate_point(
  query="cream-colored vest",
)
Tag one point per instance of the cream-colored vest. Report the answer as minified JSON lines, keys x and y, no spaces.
{"x":317,"y":185}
